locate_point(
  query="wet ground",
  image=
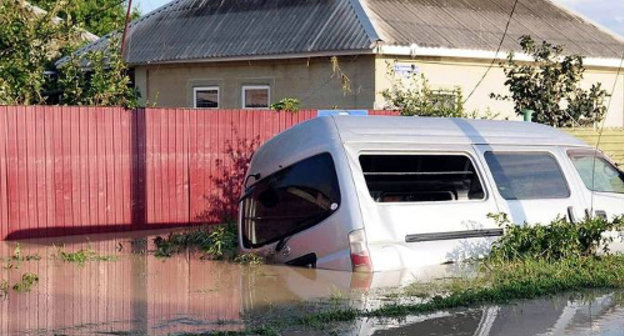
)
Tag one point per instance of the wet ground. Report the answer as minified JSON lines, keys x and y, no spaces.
{"x":139,"y":294}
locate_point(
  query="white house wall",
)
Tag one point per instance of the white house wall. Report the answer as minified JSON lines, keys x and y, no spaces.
{"x":447,"y":73}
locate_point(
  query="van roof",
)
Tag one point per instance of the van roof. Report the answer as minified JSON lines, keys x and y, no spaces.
{"x":423,"y":130}
{"x":306,"y":138}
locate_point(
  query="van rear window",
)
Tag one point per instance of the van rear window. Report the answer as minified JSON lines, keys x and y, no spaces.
{"x":527,"y":176}
{"x":421,"y":178}
{"x":290,"y":200}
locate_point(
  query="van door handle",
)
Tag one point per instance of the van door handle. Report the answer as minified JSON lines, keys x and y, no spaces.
{"x":571,"y":215}
{"x":601,"y":214}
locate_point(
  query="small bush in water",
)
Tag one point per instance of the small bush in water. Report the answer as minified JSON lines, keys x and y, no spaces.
{"x":26,"y":283}
{"x":82,"y":256}
{"x":215,"y":242}
{"x":559,"y":240}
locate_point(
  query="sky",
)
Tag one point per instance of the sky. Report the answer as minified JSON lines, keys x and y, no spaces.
{"x":609,"y":13}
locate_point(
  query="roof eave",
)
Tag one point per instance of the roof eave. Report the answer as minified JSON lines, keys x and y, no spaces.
{"x":416,"y":51}
{"x":245,"y":58}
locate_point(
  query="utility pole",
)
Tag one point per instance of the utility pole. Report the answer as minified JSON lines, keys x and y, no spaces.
{"x":123,"y":39}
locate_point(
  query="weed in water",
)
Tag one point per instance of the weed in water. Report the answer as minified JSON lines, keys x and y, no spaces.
{"x":18,"y":256}
{"x":4,"y":289}
{"x":214,"y":242}
{"x":249,"y":259}
{"x":82,"y":256}
{"x":14,"y":261}
{"x":260,"y":331}
{"x":26,"y":283}
{"x":336,"y":296}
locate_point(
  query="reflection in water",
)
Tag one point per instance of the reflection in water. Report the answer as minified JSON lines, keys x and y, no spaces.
{"x":147,"y":295}
{"x":140,"y":294}
{"x":600,"y":315}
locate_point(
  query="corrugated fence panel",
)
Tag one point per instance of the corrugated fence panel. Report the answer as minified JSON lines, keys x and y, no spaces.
{"x":611,"y":141}
{"x":4,"y":203}
{"x":78,"y":170}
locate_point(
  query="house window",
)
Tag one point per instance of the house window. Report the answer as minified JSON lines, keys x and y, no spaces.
{"x":444,"y":99}
{"x":206,"y":97}
{"x":421,"y":178}
{"x":256,"y":96}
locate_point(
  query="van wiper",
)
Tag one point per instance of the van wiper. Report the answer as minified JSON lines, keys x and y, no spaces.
{"x":282,"y":243}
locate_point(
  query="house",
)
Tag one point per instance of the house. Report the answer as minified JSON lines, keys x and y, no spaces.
{"x":251,"y":53}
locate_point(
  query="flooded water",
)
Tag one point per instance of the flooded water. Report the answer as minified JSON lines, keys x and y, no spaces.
{"x":139,"y":294}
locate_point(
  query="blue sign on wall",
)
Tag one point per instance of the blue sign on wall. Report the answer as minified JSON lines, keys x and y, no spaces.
{"x":322,"y":113}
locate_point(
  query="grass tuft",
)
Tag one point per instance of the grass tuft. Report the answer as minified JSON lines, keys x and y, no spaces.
{"x":214,"y":242}
{"x":26,"y":283}
{"x":82,"y":256}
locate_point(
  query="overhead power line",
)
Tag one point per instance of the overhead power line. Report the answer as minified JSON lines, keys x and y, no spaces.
{"x":617,"y":77}
{"x":500,"y":45}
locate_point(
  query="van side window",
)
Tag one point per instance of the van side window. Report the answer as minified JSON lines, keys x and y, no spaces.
{"x":527,"y":176}
{"x":421,"y":178}
{"x":289,"y":201}
{"x":599,"y":174}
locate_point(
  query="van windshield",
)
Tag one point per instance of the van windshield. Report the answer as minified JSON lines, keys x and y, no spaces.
{"x":289,"y":201}
{"x":421,"y":178}
{"x":597,"y":174}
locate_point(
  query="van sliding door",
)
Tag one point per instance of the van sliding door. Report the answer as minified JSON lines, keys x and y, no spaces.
{"x":531,"y":184}
{"x":424,"y":206}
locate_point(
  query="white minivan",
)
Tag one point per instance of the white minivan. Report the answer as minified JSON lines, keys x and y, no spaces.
{"x":380,"y":193}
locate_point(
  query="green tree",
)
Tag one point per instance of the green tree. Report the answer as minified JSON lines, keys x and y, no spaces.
{"x":550,"y":87}
{"x":29,"y":43}
{"x":99,"y":17}
{"x":97,"y":78}
{"x":414,"y":96}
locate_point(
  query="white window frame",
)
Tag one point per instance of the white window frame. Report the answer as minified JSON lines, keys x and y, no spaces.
{"x":256,"y":87}
{"x":206,"y":88}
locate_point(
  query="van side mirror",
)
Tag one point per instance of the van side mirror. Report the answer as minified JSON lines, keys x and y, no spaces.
{"x":255,"y":176}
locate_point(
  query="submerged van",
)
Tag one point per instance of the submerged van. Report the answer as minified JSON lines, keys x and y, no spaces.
{"x":382,"y":193}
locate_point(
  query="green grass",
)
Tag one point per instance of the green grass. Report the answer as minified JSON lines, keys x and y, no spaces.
{"x":26,"y":283}
{"x":82,"y":256}
{"x":4,"y":288}
{"x":14,"y":261}
{"x":213,"y":242}
{"x":523,"y":279}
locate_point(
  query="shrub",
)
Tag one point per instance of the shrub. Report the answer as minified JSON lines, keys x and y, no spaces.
{"x":82,"y":256}
{"x":26,"y":283}
{"x":213,"y":242}
{"x":559,"y":240}
{"x":223,"y":202}
{"x":287,"y":104}
{"x":415,"y":97}
{"x":550,"y":86}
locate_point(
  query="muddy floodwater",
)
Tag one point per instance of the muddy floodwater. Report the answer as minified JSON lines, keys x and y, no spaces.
{"x":135,"y":293}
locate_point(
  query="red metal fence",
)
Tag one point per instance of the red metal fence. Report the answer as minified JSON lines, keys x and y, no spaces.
{"x":71,"y":170}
